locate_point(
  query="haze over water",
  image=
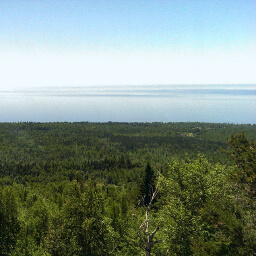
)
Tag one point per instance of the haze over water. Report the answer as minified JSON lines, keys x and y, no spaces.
{"x":159,"y":103}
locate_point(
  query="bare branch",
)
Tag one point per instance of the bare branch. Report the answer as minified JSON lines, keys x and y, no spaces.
{"x":114,"y":248}
{"x":152,"y":234}
{"x":149,"y":243}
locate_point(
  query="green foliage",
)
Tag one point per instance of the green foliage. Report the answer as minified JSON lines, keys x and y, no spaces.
{"x":194,"y":216}
{"x":9,"y":223}
{"x":243,"y":152}
{"x":73,"y":188}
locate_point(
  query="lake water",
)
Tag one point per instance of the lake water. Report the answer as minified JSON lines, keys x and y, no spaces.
{"x":180,"y":103}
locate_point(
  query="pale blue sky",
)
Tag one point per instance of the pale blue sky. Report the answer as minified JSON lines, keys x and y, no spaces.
{"x":76,"y":43}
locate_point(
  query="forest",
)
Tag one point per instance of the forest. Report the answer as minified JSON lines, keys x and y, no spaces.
{"x":127,"y":189}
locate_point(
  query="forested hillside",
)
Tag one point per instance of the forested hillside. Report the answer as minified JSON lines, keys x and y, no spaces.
{"x":127,"y":189}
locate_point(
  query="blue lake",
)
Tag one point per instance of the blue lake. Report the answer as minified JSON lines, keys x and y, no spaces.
{"x":173,"y":103}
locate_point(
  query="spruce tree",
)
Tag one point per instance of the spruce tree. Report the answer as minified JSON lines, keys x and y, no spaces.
{"x":148,"y":184}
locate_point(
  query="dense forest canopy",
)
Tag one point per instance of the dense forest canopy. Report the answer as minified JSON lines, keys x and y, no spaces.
{"x":127,"y":189}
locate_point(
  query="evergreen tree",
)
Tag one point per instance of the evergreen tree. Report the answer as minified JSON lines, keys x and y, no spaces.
{"x":243,"y":152}
{"x":147,"y":189}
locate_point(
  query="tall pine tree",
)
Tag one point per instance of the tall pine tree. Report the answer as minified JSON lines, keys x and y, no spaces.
{"x":148,"y":185}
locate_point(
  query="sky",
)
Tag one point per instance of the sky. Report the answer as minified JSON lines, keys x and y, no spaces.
{"x":48,"y":43}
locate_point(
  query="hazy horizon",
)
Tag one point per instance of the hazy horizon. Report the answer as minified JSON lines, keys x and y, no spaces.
{"x":215,"y":104}
{"x":133,"y":86}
